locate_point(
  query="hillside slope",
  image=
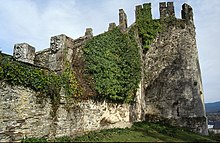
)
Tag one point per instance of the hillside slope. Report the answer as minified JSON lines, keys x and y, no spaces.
{"x":213,"y":107}
{"x":139,"y":132}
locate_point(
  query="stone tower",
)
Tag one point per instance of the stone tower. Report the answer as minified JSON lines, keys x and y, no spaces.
{"x":173,"y":85}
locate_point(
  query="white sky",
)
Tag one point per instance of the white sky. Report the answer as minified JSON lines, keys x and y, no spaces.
{"x":35,"y":21}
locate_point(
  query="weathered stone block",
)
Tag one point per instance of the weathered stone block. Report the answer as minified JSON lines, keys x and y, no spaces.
{"x":89,"y":32}
{"x":187,"y":13}
{"x":166,"y":10}
{"x":24,"y":52}
{"x":122,"y":20}
{"x":57,"y":43}
{"x":111,"y":26}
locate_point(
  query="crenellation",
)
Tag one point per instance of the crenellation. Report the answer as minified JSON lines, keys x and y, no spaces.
{"x":187,"y":13}
{"x":24,"y":52}
{"x":144,"y":10}
{"x":147,"y":10}
{"x":56,"y":43}
{"x":146,"y":5}
{"x":170,"y":9}
{"x":122,"y":20}
{"x":163,"y":10}
{"x":111,"y":26}
{"x":89,"y":32}
{"x":166,"y":10}
{"x":138,"y":10}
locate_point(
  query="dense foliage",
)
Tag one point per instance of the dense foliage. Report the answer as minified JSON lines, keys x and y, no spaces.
{"x":114,"y":61}
{"x":40,"y":80}
{"x":112,"y":58}
{"x":70,"y":83}
{"x":147,"y":27}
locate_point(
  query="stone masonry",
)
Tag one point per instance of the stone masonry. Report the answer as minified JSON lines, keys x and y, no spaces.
{"x":170,"y":87}
{"x":173,"y":85}
{"x":24,"y":52}
{"x":23,"y":114}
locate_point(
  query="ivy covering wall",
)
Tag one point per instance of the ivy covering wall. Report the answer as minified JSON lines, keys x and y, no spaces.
{"x":147,"y":27}
{"x":114,"y":61}
{"x":40,"y":80}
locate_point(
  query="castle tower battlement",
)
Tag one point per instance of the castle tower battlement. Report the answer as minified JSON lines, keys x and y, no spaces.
{"x":111,"y":26}
{"x":24,"y":52}
{"x":187,"y":13}
{"x":144,"y":10}
{"x":123,"y":24}
{"x":89,"y":32}
{"x":166,"y":10}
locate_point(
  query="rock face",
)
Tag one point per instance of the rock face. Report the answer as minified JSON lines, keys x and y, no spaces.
{"x":170,"y":87}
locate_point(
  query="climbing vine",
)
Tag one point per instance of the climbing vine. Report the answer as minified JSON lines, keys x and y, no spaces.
{"x":40,"y":80}
{"x":16,"y":73}
{"x":147,"y":27}
{"x":70,"y":83}
{"x":113,"y":60}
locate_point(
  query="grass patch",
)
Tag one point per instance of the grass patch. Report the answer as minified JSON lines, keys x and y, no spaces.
{"x":139,"y":132}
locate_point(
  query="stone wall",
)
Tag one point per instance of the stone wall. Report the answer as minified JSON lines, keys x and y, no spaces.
{"x":170,"y":87}
{"x":173,"y":87}
{"x":24,"y":114}
{"x":55,"y":57}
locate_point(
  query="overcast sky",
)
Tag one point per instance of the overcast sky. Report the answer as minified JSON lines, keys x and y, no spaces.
{"x":35,"y":21}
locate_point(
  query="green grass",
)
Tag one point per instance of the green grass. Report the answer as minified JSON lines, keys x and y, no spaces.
{"x":139,"y":132}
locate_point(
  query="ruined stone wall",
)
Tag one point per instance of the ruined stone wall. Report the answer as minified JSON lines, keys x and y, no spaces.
{"x":23,"y":113}
{"x":24,"y":52}
{"x":173,"y":87}
{"x":59,"y":53}
{"x":63,"y":50}
{"x":170,"y":87}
